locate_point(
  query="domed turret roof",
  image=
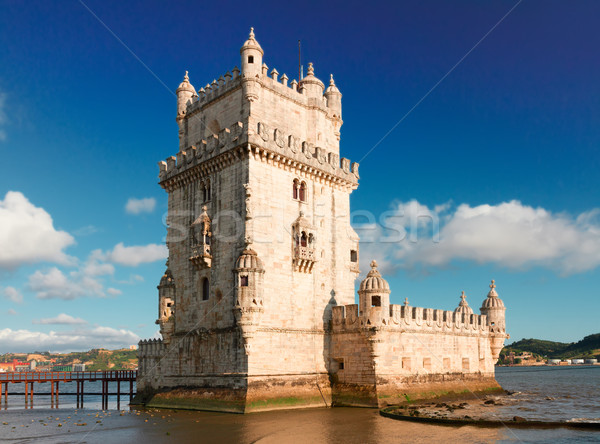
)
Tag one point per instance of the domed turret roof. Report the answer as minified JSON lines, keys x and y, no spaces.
{"x":492,"y":300}
{"x":249,"y":260}
{"x":374,"y":281}
{"x":167,"y":279}
{"x":251,"y":43}
{"x":463,"y":306}
{"x":332,"y":88}
{"x":186,"y":85}
{"x":310,"y":77}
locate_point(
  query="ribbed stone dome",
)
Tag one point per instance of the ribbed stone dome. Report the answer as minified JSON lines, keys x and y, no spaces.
{"x":167,"y":279}
{"x":374,"y":281}
{"x":311,"y":79}
{"x":249,"y":260}
{"x":186,"y":85}
{"x":463,"y":306}
{"x":332,"y":88}
{"x":251,"y":43}
{"x":492,"y":300}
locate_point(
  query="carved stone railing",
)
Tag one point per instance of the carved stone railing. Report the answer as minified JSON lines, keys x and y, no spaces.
{"x":201,"y":256}
{"x":304,"y":259}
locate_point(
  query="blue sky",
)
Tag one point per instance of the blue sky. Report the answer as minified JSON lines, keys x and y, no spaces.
{"x":501,"y":150}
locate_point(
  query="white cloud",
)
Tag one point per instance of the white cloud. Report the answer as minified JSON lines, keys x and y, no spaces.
{"x":27,"y":234}
{"x":509,"y":234}
{"x":77,"y":339}
{"x":11,"y":312}
{"x":53,"y":284}
{"x":137,"y":206}
{"x":137,"y":254}
{"x":61,"y":319}
{"x":12,"y":294}
{"x":86,"y":280}
{"x":114,"y":291}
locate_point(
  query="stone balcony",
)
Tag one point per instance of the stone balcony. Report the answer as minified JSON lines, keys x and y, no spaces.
{"x":304,"y":259}
{"x":201,"y":256}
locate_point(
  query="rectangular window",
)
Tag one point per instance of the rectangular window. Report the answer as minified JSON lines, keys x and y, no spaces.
{"x":353,"y":256}
{"x":465,"y":364}
{"x":376,"y":301}
{"x":447,"y":364}
{"x":427,"y":363}
{"x":340,"y":363}
{"x":406,"y":364}
{"x":243,"y":281}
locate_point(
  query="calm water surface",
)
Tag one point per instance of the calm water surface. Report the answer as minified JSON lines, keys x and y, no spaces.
{"x":574,"y":393}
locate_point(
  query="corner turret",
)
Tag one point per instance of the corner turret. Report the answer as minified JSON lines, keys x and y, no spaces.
{"x":248,"y":294}
{"x":334,"y":98}
{"x":494,"y":309}
{"x":463,"y":305}
{"x":374,"y":295}
{"x":184,"y":92}
{"x":252,"y":55}
{"x":166,"y":304}
{"x":310,"y":85}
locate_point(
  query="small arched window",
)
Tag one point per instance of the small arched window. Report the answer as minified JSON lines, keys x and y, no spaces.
{"x":303,"y":239}
{"x":303,"y":192}
{"x":311,"y":239}
{"x":205,"y":289}
{"x":295,"y":189}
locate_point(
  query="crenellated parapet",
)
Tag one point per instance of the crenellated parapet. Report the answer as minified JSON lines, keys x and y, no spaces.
{"x":213,"y":91}
{"x":406,"y":318}
{"x":151,"y":348}
{"x":285,"y":149}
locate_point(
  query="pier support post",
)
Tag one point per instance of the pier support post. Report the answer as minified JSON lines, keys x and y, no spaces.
{"x":118,"y":393}
{"x":26,"y":393}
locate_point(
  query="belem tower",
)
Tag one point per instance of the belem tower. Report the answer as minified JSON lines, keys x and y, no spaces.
{"x":257,"y":305}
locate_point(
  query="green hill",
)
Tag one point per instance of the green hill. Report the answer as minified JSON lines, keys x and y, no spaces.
{"x":588,"y":347}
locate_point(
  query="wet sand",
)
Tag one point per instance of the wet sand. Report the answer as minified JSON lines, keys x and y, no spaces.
{"x":339,"y":425}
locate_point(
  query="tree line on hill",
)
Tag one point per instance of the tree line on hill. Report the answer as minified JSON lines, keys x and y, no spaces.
{"x":588,"y":347}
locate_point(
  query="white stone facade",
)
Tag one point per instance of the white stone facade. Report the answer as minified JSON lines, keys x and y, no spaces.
{"x":256,"y":306}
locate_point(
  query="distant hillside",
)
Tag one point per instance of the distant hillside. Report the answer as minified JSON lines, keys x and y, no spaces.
{"x":588,"y":347}
{"x":96,"y":359}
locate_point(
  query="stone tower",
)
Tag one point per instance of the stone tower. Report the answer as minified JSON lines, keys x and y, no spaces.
{"x":256,"y":307}
{"x":259,"y":237}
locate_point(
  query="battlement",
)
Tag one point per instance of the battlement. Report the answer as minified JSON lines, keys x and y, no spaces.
{"x":214,"y":90}
{"x":274,"y":140}
{"x":148,"y":348}
{"x":405,"y":317}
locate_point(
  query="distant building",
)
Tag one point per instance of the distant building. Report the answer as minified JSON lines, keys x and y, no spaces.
{"x":553,"y":361}
{"x":78,"y":367}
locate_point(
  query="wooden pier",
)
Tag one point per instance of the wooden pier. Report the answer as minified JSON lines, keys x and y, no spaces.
{"x":29,"y":379}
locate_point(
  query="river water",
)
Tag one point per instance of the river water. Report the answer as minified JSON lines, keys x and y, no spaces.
{"x":557,"y":393}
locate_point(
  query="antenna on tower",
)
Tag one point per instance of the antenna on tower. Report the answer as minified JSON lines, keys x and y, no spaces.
{"x":300,"y":73}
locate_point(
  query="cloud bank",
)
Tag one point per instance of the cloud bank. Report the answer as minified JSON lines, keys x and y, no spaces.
{"x":510,"y":234}
{"x":27,"y":234}
{"x":77,"y":339}
{"x":137,"y":254}
{"x":61,"y":319}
